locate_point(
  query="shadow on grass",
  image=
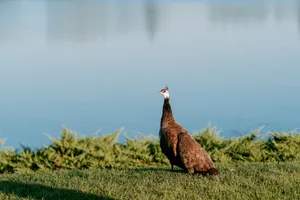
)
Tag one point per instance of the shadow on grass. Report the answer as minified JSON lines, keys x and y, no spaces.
{"x":37,"y":191}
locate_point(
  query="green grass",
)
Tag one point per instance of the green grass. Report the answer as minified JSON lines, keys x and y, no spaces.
{"x":253,"y":166}
{"x":237,"y":181}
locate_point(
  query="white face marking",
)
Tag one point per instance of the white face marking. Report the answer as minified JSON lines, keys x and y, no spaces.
{"x":165,"y":94}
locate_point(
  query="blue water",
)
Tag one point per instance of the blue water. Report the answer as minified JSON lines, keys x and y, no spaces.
{"x":100,"y":65}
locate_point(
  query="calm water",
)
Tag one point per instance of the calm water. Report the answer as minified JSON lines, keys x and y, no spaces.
{"x":99,"y":65}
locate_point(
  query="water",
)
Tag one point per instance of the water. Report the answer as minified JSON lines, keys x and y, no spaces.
{"x":99,"y":65}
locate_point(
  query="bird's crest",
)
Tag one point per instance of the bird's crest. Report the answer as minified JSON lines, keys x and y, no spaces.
{"x":166,"y":87}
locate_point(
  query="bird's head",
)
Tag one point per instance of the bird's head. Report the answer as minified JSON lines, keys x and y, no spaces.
{"x":165,"y":92}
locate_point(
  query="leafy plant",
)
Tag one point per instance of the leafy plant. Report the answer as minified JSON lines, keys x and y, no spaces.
{"x":73,"y":152}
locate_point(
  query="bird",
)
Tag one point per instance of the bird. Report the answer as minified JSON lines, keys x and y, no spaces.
{"x":179,"y":146}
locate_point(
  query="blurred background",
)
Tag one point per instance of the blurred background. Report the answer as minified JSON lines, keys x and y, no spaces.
{"x":93,"y":65}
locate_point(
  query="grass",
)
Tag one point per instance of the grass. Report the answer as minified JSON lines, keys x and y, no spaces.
{"x":99,"y":167}
{"x":243,"y":180}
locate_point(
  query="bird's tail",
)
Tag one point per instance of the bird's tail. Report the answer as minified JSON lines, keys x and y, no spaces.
{"x":213,"y":172}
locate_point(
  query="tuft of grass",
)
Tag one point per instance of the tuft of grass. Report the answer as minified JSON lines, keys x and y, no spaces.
{"x":237,"y":181}
{"x":73,"y":152}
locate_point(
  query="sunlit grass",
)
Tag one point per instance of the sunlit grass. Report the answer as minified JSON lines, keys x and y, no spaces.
{"x":237,"y":181}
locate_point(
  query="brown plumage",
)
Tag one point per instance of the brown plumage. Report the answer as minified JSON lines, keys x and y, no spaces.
{"x":179,"y":146}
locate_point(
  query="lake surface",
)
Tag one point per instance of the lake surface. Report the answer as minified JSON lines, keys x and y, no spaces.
{"x":93,"y":65}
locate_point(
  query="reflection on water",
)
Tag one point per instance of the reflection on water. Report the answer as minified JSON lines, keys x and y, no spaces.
{"x":152,"y":18}
{"x":242,"y":14}
{"x":9,"y":11}
{"x":77,"y":21}
{"x":298,"y":13}
{"x":235,"y":65}
{"x":86,"y":21}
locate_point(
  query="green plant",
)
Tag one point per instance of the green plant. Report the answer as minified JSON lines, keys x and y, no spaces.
{"x":73,"y":152}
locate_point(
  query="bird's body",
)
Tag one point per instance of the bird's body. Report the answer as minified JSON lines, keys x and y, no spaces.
{"x":169,"y":130}
{"x":179,"y":146}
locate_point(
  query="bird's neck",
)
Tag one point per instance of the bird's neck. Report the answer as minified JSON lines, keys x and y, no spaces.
{"x":167,"y":111}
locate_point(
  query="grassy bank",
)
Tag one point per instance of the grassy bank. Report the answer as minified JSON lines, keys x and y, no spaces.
{"x":238,"y":181}
{"x":72,"y":152}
